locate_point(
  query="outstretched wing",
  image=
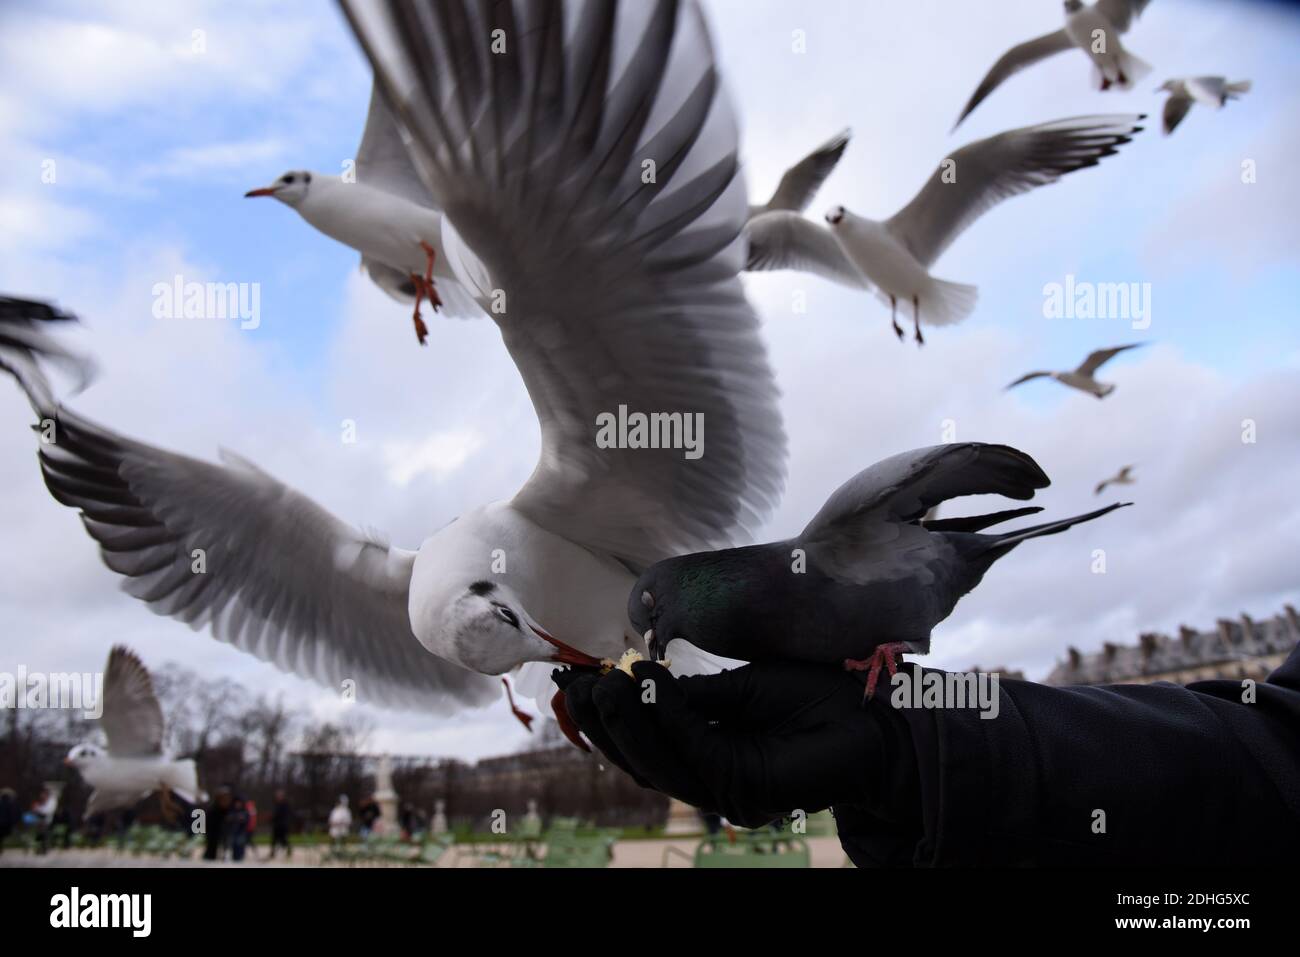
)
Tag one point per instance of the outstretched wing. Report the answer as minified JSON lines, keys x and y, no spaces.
{"x":982,"y":174}
{"x":1012,"y":62}
{"x":784,"y":240}
{"x":1099,"y":358}
{"x":802,"y":181}
{"x":132,"y":718}
{"x":1121,"y":13}
{"x":383,"y":160}
{"x":229,"y":547}
{"x":1176,"y":108}
{"x":1027,"y":377}
{"x":586,"y":155}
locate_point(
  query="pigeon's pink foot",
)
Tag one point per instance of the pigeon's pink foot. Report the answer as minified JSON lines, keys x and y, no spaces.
{"x":883,"y":656}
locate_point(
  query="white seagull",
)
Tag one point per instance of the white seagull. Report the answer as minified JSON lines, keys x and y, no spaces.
{"x":1095,"y":29}
{"x":622,"y":292}
{"x":385,"y":213}
{"x":799,"y":183}
{"x":1123,"y":477}
{"x":1083,"y":378}
{"x":893,"y":257}
{"x":1212,"y":91}
{"x":134,"y":766}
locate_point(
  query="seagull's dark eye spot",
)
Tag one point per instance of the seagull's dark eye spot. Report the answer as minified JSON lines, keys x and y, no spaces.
{"x":306,"y":177}
{"x":482,"y":587}
{"x":289,"y":178}
{"x":508,"y":616}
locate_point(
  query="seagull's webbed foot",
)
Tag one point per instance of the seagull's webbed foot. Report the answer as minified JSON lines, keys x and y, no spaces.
{"x":881,"y":657}
{"x":916,"y":321}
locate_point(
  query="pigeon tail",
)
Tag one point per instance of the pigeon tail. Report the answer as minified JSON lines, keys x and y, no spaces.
{"x":1004,"y":543}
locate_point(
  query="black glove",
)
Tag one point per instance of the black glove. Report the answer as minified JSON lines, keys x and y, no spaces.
{"x":753,"y":744}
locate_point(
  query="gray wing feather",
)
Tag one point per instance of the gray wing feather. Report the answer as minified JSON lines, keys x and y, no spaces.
{"x":1176,"y":108}
{"x":1012,"y":62}
{"x":383,"y":158}
{"x":1099,"y":358}
{"x":802,"y":181}
{"x":1121,"y":13}
{"x":620,"y":291}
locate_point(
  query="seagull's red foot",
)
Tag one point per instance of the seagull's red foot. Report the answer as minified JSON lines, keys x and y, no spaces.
{"x":1105,"y":84}
{"x":883,"y":656}
{"x":421,"y":330}
{"x":567,"y":724}
{"x":430,"y":288}
{"x":524,"y":717}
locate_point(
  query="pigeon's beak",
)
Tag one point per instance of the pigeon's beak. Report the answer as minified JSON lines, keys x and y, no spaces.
{"x":566,"y":654}
{"x":263,"y":191}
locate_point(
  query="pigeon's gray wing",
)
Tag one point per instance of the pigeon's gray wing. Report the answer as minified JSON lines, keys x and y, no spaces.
{"x":1176,"y":108}
{"x":267,"y":569}
{"x":132,"y":718}
{"x":383,"y":159}
{"x":1027,"y":377}
{"x":982,"y":174}
{"x":1099,"y":358}
{"x":871,"y":509}
{"x":591,"y":166}
{"x":784,"y":240}
{"x":800,"y":183}
{"x":1012,"y":62}
{"x":1121,"y":13}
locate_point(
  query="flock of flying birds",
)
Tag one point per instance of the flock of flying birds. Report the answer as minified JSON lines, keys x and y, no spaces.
{"x":521,"y":170}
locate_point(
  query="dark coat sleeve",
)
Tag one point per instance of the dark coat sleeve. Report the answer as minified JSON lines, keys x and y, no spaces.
{"x":1191,"y":776}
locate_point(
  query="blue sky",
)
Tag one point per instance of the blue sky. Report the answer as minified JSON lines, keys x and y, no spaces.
{"x":155,"y":142}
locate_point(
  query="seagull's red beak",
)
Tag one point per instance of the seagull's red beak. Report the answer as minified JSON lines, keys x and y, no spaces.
{"x":565,"y":654}
{"x":264,"y":191}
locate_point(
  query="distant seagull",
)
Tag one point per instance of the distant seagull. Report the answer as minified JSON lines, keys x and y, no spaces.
{"x":1093,"y":29}
{"x":385,"y":213}
{"x":893,"y":258}
{"x":1123,"y":477}
{"x":134,"y":765}
{"x":1082,"y":377}
{"x":800,"y":183}
{"x":1214,"y":91}
{"x":868,"y":578}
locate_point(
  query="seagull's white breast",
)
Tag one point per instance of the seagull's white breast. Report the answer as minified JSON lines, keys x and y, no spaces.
{"x":882,"y":258}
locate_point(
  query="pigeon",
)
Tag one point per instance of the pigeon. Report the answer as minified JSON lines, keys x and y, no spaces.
{"x":893,"y":258}
{"x":1095,"y":29}
{"x":622,"y":292}
{"x":801,"y":182}
{"x":1082,"y":377}
{"x":1123,"y":477}
{"x":134,"y":766}
{"x":867,"y":579}
{"x":1214,"y":91}
{"x":387,"y":214}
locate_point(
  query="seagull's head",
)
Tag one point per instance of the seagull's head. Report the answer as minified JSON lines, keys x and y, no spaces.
{"x":484,"y":627}
{"x":290,"y":189}
{"x":84,"y":755}
{"x":835,"y":215}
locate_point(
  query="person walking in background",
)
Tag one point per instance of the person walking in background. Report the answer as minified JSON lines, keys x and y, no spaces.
{"x":281,"y":818}
{"x":237,"y":824}
{"x":368,"y":814}
{"x":340,"y":821}
{"x":43,"y":817}
{"x":217,"y":812}
{"x":8,"y":815}
{"x":250,"y":807}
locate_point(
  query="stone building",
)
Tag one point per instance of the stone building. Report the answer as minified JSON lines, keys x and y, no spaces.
{"x":1244,"y":648}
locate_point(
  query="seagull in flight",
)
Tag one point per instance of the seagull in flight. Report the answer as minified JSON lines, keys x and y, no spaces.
{"x":134,"y":766}
{"x":621,"y":292}
{"x":387,"y":214}
{"x":1095,"y":29}
{"x":1083,"y":378}
{"x":1123,"y":477}
{"x":1212,"y":91}
{"x":893,"y":257}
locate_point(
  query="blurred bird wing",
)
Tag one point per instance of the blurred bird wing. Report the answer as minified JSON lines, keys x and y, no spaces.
{"x":1028,"y":376}
{"x":132,"y":717}
{"x":982,"y":174}
{"x":1121,"y":13}
{"x":1176,"y":108}
{"x":591,"y":166}
{"x":1012,"y":62}
{"x":802,"y":181}
{"x":383,"y":158}
{"x":1207,"y":90}
{"x":785,"y":240}
{"x":1099,"y":358}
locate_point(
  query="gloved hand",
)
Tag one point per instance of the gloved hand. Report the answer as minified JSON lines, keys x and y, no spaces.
{"x":753,"y":744}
